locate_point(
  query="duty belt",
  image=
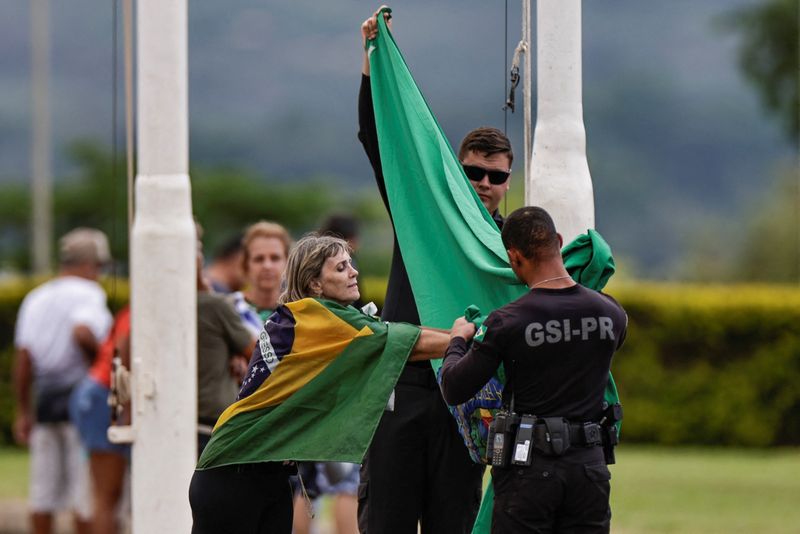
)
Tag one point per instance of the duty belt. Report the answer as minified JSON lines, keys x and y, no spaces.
{"x":553,"y":436}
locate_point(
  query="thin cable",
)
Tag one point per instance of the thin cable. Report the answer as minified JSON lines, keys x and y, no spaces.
{"x":505,"y":69}
{"x":505,"y":92}
{"x":526,"y":95}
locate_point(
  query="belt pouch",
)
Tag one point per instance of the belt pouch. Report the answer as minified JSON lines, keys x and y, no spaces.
{"x":556,"y":435}
{"x":53,"y":406}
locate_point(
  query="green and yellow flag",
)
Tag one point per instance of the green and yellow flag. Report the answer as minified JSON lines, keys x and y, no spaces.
{"x":317,"y":385}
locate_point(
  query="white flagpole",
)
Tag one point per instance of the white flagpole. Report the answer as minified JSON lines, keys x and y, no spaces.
{"x":163,"y":280}
{"x":559,"y":177}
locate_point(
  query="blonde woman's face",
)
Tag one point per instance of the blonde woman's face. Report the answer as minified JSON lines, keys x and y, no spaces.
{"x":338,"y":280}
{"x":266,"y":263}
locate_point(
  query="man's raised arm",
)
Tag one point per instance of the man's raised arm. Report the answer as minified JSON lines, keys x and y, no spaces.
{"x":367,"y":129}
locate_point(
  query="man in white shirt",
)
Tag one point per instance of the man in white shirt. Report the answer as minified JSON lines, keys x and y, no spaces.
{"x":59,"y":327}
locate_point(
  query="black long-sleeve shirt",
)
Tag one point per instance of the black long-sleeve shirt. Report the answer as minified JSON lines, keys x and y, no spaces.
{"x":400,"y":304}
{"x":556,"y":346}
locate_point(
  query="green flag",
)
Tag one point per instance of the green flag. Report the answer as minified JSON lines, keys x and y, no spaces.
{"x":450,"y":245}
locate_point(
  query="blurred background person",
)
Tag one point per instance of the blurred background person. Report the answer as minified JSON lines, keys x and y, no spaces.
{"x":90,"y":412}
{"x":338,"y":480}
{"x":224,"y":346}
{"x":225,"y":273}
{"x":58,"y":330}
{"x":265,"y":249}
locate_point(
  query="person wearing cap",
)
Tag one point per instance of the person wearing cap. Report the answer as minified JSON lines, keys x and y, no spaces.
{"x":58,"y":329}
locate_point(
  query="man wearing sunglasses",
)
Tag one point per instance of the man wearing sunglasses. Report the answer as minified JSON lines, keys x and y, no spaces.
{"x":417,"y":469}
{"x":485,"y":155}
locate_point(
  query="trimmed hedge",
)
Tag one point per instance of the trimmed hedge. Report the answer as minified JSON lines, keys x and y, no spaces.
{"x":701,"y":364}
{"x":710,"y":364}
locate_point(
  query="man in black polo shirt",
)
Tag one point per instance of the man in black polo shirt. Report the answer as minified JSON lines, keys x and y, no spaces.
{"x":556,"y":344}
{"x":417,"y":469}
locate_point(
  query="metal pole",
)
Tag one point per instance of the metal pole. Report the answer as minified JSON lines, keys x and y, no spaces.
{"x":163,"y":280}
{"x":41,"y":170}
{"x":560,"y":181}
{"x":127,"y":24}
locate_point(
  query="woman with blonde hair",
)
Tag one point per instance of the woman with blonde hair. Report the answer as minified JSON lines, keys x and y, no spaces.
{"x":318,"y":382}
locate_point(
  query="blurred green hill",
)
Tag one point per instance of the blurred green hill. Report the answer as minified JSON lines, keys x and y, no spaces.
{"x":682,"y":153}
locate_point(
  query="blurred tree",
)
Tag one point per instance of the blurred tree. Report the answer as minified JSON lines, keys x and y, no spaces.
{"x":94,"y":195}
{"x":88,"y":198}
{"x":225,"y":200}
{"x":15,"y":210}
{"x":713,"y":250}
{"x":771,"y":250}
{"x":768,"y":56}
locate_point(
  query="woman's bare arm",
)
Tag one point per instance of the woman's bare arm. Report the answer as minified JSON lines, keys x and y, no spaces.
{"x":432,"y":344}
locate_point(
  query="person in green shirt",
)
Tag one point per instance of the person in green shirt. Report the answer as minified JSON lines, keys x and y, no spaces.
{"x":266,"y":247}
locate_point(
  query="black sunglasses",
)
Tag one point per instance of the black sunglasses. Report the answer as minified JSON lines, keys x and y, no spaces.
{"x":476,"y":174}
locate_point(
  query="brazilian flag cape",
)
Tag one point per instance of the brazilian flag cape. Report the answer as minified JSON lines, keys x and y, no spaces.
{"x":318,"y":382}
{"x":451,"y":247}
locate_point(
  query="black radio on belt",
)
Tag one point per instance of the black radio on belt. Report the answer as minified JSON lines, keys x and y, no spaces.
{"x":524,"y":440}
{"x":501,"y":438}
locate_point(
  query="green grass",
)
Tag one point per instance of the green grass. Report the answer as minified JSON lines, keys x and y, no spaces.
{"x":13,"y":473}
{"x":654,"y":489}
{"x":665,"y":490}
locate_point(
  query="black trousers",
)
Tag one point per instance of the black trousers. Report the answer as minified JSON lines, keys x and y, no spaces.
{"x":242,"y":499}
{"x":417,"y":468}
{"x":566,"y":494}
